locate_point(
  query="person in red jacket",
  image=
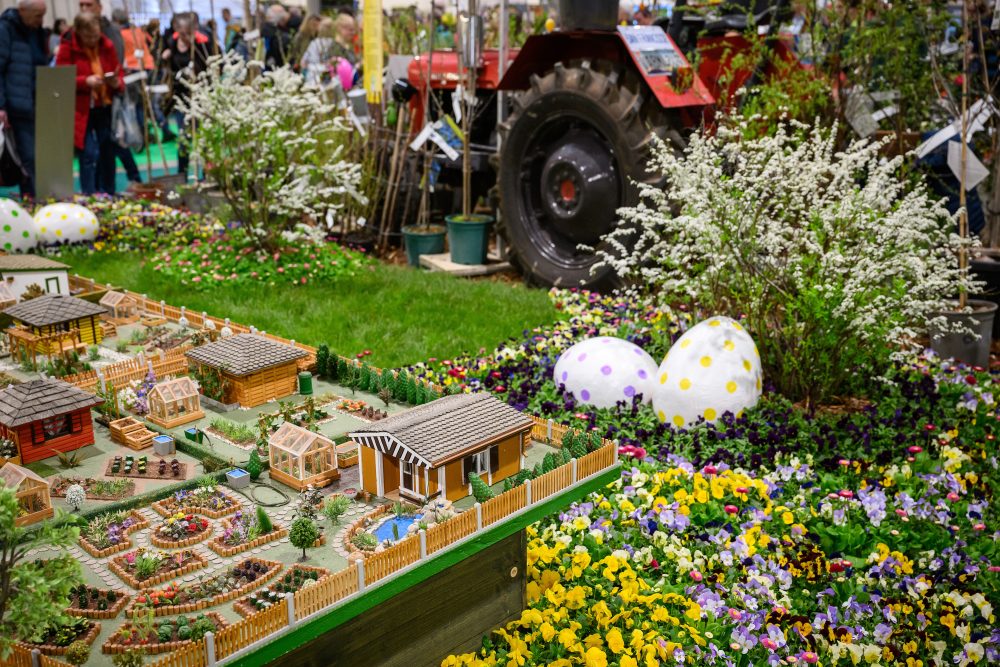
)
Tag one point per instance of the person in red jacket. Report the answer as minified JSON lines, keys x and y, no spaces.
{"x":98,"y":80}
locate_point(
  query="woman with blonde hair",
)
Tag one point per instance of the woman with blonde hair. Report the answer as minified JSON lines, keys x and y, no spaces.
{"x":316,"y":59}
{"x":305,"y":36}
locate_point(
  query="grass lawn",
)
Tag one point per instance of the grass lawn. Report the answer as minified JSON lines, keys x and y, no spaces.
{"x":402,"y":315}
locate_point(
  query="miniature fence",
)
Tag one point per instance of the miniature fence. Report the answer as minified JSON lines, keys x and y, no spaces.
{"x":329,"y":589}
{"x":548,"y":431}
{"x":192,"y":655}
{"x":120,"y":374}
{"x":21,"y":656}
{"x":441,"y":535}
{"x":552,"y":481}
{"x":234,"y":637}
{"x":504,"y":505}
{"x":396,"y":557}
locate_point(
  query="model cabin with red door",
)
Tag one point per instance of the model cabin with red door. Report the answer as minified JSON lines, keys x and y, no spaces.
{"x":45,"y":416}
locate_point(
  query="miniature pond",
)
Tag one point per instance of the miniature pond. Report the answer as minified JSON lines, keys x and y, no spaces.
{"x":383,"y":531}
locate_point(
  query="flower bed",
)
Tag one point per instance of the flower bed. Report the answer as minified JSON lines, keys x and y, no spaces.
{"x":236,"y":581}
{"x":180,"y":530}
{"x":243,"y":532}
{"x":89,"y":602}
{"x":142,"y":568}
{"x":164,"y":637}
{"x":299,"y":576}
{"x":208,"y":500}
{"x":96,"y":489}
{"x":107,"y":534}
{"x":57,"y":639}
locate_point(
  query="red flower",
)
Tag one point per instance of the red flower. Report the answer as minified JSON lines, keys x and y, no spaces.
{"x":731,"y":509}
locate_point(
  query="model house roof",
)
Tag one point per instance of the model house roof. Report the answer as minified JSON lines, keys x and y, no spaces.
{"x":175,"y":390}
{"x":295,"y":439}
{"x":445,"y":429}
{"x":245,"y":354}
{"x":53,"y":309}
{"x":112,"y":298}
{"x":12,"y":475}
{"x":30,"y":401}
{"x":29,"y":263}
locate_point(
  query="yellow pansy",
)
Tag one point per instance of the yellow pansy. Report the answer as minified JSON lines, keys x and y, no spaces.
{"x":595,"y":657}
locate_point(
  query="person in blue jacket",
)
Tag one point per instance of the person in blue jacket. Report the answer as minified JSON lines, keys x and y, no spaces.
{"x":23,"y":47}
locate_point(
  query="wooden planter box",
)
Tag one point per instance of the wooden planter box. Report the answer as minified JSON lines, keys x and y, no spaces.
{"x":201,"y":536}
{"x":132,"y":433}
{"x":112,"y":648}
{"x":318,"y":481}
{"x":110,"y":612}
{"x":152,"y":320}
{"x":122,"y":572}
{"x":179,"y":420}
{"x":160,"y":507}
{"x":218,"y":547}
{"x":34,"y":517}
{"x":16,"y":460}
{"x":274,"y":567}
{"x":51,"y":649}
{"x":121,"y":546}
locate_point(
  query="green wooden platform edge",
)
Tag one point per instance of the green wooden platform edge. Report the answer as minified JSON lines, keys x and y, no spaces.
{"x":305,"y":632}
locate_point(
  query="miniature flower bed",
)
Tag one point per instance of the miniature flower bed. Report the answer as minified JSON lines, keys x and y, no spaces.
{"x":163,"y":637}
{"x":142,"y":468}
{"x":89,"y":602}
{"x":299,"y":576}
{"x":354,"y":540}
{"x":180,"y":530}
{"x":107,"y":534}
{"x":245,"y":531}
{"x":236,"y":581}
{"x":96,"y":489}
{"x":56,"y":639}
{"x":143,"y":568}
{"x":208,"y":500}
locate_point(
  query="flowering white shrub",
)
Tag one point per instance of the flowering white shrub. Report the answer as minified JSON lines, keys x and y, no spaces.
{"x":274,"y":146}
{"x":835,"y":262}
{"x":75,"y":496}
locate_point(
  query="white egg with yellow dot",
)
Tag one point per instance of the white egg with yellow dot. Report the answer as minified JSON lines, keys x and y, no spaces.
{"x":17,"y":230}
{"x":65,"y":223}
{"x":712,"y":369}
{"x":604,"y":370}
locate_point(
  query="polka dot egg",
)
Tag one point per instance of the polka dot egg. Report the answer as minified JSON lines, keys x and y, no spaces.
{"x":65,"y":223}
{"x":17,"y":230}
{"x":712,"y":369}
{"x":604,"y":370}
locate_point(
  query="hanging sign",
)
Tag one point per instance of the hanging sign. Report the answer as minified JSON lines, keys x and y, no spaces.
{"x":372,"y":44}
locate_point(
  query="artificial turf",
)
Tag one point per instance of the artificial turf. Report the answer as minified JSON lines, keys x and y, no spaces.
{"x":402,"y":315}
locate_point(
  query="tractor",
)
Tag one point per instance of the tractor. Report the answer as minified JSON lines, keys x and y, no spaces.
{"x":583,"y":105}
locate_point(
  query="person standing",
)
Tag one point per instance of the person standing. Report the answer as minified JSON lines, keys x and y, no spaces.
{"x":59,"y":29}
{"x":111,"y":32}
{"x":187,"y":58}
{"x":22,"y":48}
{"x":132,"y":44}
{"x":98,"y":80}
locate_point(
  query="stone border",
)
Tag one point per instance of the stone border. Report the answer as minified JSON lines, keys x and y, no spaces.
{"x":218,"y":406}
{"x":126,"y":576}
{"x":218,"y":547}
{"x":111,"y":612}
{"x":121,"y":546}
{"x":161,"y":647}
{"x":200,"y":536}
{"x":160,"y":508}
{"x":91,"y":496}
{"x":244,"y":609}
{"x":89,"y":637}
{"x":355,"y":527}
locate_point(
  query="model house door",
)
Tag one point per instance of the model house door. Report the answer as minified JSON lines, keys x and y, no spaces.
{"x":52,"y":285}
{"x":407,"y":479}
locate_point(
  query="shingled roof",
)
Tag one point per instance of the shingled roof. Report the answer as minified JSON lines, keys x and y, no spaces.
{"x":447,"y":428}
{"x":30,"y":401}
{"x":244,"y":354}
{"x":29,"y":263}
{"x":53,"y":309}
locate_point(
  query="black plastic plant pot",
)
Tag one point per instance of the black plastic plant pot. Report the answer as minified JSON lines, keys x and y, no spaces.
{"x":422,"y":240}
{"x":469,"y":237}
{"x":972,"y":346}
{"x":588,"y":14}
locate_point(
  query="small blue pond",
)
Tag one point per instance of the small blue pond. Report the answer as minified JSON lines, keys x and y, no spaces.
{"x":383,"y":531}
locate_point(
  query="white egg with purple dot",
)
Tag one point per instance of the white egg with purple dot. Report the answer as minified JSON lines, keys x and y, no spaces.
{"x":604,"y":370}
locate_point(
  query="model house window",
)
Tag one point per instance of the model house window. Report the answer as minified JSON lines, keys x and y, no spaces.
{"x":478,"y":463}
{"x":407,"y":478}
{"x":52,"y":285}
{"x":54,"y":427}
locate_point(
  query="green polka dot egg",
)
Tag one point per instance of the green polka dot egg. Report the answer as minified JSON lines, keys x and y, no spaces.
{"x":17,"y":230}
{"x":65,"y":223}
{"x":712,"y":369}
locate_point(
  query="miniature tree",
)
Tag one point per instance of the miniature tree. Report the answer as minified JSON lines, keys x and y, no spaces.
{"x":32,"y":291}
{"x":323,"y":360}
{"x":385,"y":394}
{"x":411,"y":390}
{"x":548,"y":463}
{"x":341,"y":367}
{"x":507,"y":485}
{"x":335,"y":507}
{"x":130,"y":658}
{"x":254,"y":465}
{"x":594,"y":442}
{"x":75,"y":497}
{"x":309,"y":499}
{"x":565,"y":456}
{"x":264,"y":521}
{"x":480,"y":490}
{"x":78,"y":653}
{"x":399,"y":386}
{"x":304,"y":534}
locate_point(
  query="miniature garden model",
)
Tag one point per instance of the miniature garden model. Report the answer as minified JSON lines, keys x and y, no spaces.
{"x":174,"y":403}
{"x":32,"y":491}
{"x":253,"y":369}
{"x":300,"y":458}
{"x":46,"y":416}
{"x":122,"y":309}
{"x":21,"y":271}
{"x":54,"y":324}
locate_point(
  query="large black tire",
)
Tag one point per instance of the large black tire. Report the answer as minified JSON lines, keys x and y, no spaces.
{"x":571,"y":152}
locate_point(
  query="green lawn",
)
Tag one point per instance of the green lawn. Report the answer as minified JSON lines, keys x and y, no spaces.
{"x":402,"y":315}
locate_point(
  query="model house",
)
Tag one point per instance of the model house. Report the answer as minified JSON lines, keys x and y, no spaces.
{"x":430,"y":450}
{"x":19,"y":271}
{"x":53,"y":323}
{"x":32,"y":492}
{"x":253,"y":368}
{"x":121,"y":308}
{"x":46,"y":416}
{"x":174,"y":403}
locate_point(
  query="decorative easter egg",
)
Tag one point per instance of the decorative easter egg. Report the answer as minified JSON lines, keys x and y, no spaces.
{"x":65,"y":223}
{"x":17,"y":230}
{"x":712,"y":369}
{"x":602,"y":371}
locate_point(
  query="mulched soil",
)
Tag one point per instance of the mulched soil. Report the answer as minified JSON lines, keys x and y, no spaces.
{"x":152,"y":471}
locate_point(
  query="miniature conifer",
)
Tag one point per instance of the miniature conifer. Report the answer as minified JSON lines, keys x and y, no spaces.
{"x":254,"y":465}
{"x":480,"y":490}
{"x":341,"y":367}
{"x":411,"y":390}
{"x":548,"y":463}
{"x":323,"y":360}
{"x":264,"y":521}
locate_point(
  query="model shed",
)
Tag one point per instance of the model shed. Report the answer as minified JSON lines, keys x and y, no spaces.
{"x":53,"y":324}
{"x":253,"y":369}
{"x":45,"y":416}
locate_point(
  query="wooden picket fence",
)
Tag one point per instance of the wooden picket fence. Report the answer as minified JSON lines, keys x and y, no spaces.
{"x":502,"y":506}
{"x":172,"y":362}
{"x":192,"y":655}
{"x":551,"y":482}
{"x":21,"y":657}
{"x":331,"y":588}
{"x":233,"y":637}
{"x":547,"y":431}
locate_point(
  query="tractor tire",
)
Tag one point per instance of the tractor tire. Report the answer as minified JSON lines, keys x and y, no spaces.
{"x":572,"y":151}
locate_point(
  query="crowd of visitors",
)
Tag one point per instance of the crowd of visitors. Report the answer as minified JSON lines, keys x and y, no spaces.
{"x":116,"y":59}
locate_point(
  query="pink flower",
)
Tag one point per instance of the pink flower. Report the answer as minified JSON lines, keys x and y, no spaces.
{"x":710,"y":470}
{"x":952,"y":496}
{"x":914,"y":449}
{"x":979,"y":526}
{"x":846,"y":493}
{"x":809,"y":657}
{"x":735,"y":614}
{"x":196,"y":279}
{"x":731,"y":509}
{"x":696,"y":575}
{"x":769,"y":643}
{"x":281,"y":269}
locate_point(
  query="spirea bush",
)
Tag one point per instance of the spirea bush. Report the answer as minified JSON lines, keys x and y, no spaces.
{"x":834,"y":261}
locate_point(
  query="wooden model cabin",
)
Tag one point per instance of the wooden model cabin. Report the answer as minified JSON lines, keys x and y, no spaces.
{"x":300,"y":457}
{"x":33,"y":496}
{"x":122,"y":309}
{"x":54,"y":324}
{"x":254,"y":369}
{"x":431,"y":449}
{"x":20,"y":271}
{"x":44,"y":416}
{"x":174,"y":403}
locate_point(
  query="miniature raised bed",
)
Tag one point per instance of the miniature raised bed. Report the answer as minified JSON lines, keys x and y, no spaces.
{"x":57,"y":639}
{"x":89,"y":602}
{"x":180,"y":530}
{"x":94,"y":488}
{"x":143,"y":468}
{"x":172,"y":565}
{"x":210,"y":501}
{"x":165,"y":636}
{"x":133,"y":522}
{"x":131,"y":432}
{"x":236,"y":581}
{"x":291,"y":581}
{"x":219,"y":545}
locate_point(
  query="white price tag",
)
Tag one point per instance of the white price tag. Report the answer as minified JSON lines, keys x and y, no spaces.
{"x":158,"y":89}
{"x":134,"y":77}
{"x":422,"y":137}
{"x":251,"y":35}
{"x":443,"y":145}
{"x":456,"y":103}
